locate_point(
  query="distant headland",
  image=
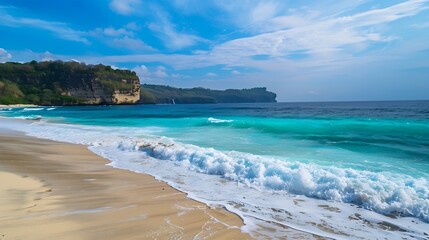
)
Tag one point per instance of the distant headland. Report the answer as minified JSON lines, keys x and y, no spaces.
{"x":159,"y":94}
{"x":73,"y":83}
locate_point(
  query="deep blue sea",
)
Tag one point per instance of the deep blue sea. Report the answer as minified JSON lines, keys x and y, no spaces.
{"x":334,"y":169}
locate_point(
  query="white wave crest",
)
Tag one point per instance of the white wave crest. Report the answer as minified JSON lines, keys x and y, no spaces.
{"x":215,"y":120}
{"x":32,"y":109}
{"x":381,"y":192}
{"x":30,"y":117}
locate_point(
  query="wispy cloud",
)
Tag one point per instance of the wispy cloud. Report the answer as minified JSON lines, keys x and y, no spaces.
{"x":112,"y":32}
{"x":384,"y":15}
{"x":151,"y":75}
{"x":4,"y":55}
{"x":167,"y":31}
{"x":263,"y":11}
{"x":126,"y":7}
{"x":121,"y":38}
{"x":130,"y":43}
{"x":61,"y":30}
{"x":321,"y":35}
{"x":211,"y":74}
{"x":326,"y":43}
{"x":322,"y":40}
{"x":421,"y":25}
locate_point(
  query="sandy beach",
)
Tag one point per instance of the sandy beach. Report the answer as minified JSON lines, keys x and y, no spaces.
{"x":53,"y":190}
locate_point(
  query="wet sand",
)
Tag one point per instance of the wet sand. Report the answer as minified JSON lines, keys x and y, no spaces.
{"x":53,"y":190}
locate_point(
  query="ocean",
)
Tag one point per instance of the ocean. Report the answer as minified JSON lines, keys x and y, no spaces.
{"x":342,"y":170}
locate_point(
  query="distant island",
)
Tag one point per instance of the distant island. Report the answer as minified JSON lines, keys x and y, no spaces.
{"x":66,"y":83}
{"x":73,"y":83}
{"x":159,"y":94}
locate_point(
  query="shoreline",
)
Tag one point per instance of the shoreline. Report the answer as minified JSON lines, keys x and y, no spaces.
{"x":195,"y":170}
{"x":17,"y":105}
{"x":62,"y":190}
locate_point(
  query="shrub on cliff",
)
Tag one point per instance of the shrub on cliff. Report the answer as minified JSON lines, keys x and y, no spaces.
{"x":60,"y":83}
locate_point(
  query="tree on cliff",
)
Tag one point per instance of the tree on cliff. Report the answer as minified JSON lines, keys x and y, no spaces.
{"x":64,"y":83}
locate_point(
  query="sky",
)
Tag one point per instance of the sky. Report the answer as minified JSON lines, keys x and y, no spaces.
{"x":326,"y":50}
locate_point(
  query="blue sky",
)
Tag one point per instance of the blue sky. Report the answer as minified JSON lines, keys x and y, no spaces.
{"x":302,"y":50}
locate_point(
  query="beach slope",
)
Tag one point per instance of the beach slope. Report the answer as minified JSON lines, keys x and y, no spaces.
{"x":53,"y":190}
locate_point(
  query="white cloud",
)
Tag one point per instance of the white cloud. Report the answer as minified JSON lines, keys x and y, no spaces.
{"x":28,"y":55}
{"x":172,"y":38}
{"x":160,"y":72}
{"x":162,"y":68}
{"x":210,"y":74}
{"x":141,"y":70}
{"x":328,"y":42}
{"x":60,"y":29}
{"x":130,"y":43}
{"x":154,"y":75}
{"x":114,"y":32}
{"x":46,"y":59}
{"x":176,"y":75}
{"x":169,"y":35}
{"x":123,"y":38}
{"x":127,"y":30}
{"x":4,"y":55}
{"x":132,"y":26}
{"x":125,"y":7}
{"x":421,"y":25}
{"x":321,"y":35}
{"x":263,"y":11}
{"x":235,"y":72}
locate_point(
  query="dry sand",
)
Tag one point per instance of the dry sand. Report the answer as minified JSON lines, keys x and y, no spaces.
{"x":52,"y":190}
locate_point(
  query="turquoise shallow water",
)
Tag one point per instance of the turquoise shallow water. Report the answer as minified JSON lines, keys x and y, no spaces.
{"x":372,"y":155}
{"x":374,"y":136}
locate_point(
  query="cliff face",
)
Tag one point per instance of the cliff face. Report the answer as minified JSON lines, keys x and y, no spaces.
{"x":66,"y":83}
{"x":96,"y":93}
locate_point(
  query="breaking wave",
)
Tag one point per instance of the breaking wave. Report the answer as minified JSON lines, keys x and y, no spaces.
{"x":215,"y":120}
{"x":394,"y":194}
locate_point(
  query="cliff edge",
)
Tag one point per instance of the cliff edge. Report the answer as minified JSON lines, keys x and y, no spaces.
{"x":66,"y":83}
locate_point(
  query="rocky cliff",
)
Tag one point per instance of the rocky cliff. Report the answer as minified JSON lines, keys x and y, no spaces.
{"x":66,"y":83}
{"x":98,"y":93}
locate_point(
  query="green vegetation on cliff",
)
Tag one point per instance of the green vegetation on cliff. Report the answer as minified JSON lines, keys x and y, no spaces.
{"x":165,"y":94}
{"x":66,"y":83}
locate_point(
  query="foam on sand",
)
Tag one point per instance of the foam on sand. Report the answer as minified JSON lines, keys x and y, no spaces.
{"x":327,"y":201}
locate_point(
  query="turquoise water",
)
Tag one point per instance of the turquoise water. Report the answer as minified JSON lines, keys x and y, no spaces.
{"x":374,"y":136}
{"x":373,"y":155}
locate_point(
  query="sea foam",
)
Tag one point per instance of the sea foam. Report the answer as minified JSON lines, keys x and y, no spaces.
{"x":268,"y":187}
{"x":381,"y":192}
{"x":215,"y":120}
{"x":33,"y":109}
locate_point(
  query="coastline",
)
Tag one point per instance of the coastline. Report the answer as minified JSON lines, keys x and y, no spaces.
{"x":17,"y":106}
{"x":61,"y":190}
{"x":266,"y":214}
